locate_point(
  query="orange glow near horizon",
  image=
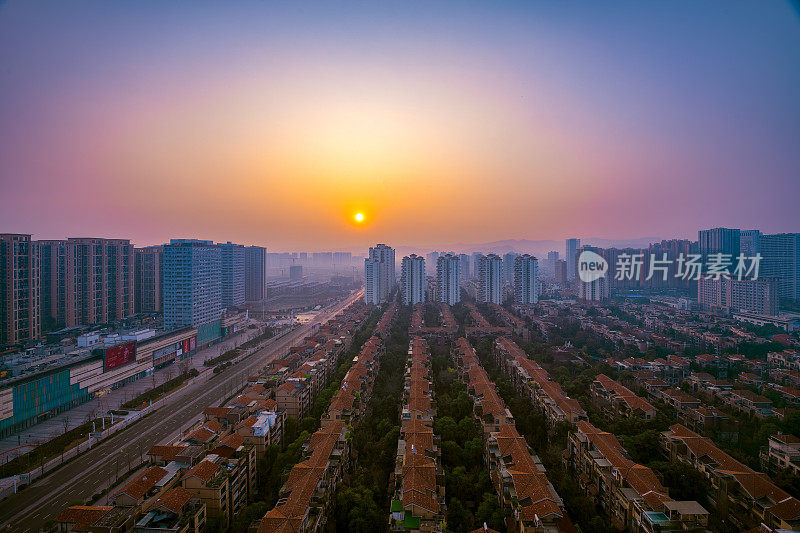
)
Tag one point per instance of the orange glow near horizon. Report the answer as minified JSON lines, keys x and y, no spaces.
{"x":277,"y":124}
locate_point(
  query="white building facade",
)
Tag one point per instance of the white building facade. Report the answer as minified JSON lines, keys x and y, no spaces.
{"x":412,"y":279}
{"x":490,"y":279}
{"x":448,"y":279}
{"x":379,"y":274}
{"x":526,"y":280}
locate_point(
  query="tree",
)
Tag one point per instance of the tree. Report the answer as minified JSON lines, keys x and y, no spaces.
{"x":643,"y":447}
{"x":788,"y":481}
{"x":446,"y":428}
{"x":245,"y":518}
{"x":458,"y":517}
{"x":683,"y":481}
{"x":489,"y":511}
{"x":357,"y":511}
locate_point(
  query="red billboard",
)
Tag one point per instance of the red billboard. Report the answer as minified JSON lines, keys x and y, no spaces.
{"x":120,"y":355}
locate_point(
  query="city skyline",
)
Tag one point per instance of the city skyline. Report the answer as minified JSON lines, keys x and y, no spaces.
{"x":499,"y":267}
{"x":276,"y":127}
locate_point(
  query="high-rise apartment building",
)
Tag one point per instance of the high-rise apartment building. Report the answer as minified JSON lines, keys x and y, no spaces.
{"x":342,"y":259}
{"x":561,"y":271}
{"x":20,"y":309}
{"x":476,"y":259}
{"x":490,"y":279}
{"x":749,"y":242}
{"x":99,"y":281}
{"x":508,"y":267}
{"x":296,"y":272}
{"x":732,"y":295}
{"x":552,"y":257}
{"x":432,"y":258}
{"x":255,"y":273}
{"x":379,"y":274}
{"x":673,"y":248}
{"x":372,"y":281}
{"x":412,"y":279}
{"x":719,"y":240}
{"x":148,"y":279}
{"x":322,"y":260}
{"x":233,"y":261}
{"x":572,"y":246}
{"x":53,"y":284}
{"x":192,"y":283}
{"x":448,"y":279}
{"x":465,"y":267}
{"x":595,"y":291}
{"x":781,"y":260}
{"x":526,"y":279}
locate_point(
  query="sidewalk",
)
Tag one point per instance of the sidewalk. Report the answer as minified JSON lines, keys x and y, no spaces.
{"x":30,"y":437}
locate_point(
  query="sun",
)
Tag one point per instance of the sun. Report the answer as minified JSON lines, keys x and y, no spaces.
{"x":359,"y":217}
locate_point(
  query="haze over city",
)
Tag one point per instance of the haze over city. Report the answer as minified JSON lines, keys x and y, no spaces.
{"x":274,"y":124}
{"x":400,"y":267}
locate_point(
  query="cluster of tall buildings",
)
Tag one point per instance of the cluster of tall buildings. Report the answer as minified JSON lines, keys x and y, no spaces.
{"x":51,"y":284}
{"x":489,"y":275}
{"x":778,"y":275}
{"x":379,"y":274}
{"x":312,"y":261}
{"x":200,"y":279}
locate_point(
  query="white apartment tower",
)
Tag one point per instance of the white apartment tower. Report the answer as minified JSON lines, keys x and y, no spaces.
{"x":448,"y":279}
{"x":508,"y":267}
{"x":379,"y":274}
{"x":490,"y":279}
{"x":412,"y":279}
{"x":595,"y":291}
{"x":526,"y":280}
{"x":476,"y":259}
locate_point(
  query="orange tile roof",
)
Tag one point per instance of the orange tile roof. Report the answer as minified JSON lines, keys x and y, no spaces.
{"x":639,"y":477}
{"x":220,"y":412}
{"x":232,"y":441}
{"x":756,"y":484}
{"x":201,"y":434}
{"x":343,"y":401}
{"x":680,"y":396}
{"x":788,"y":510}
{"x":165,"y":451}
{"x":277,"y":521}
{"x":204,"y":470}
{"x":82,"y":516}
{"x":302,"y":482}
{"x":174,"y":499}
{"x":143,"y":483}
{"x":629,"y":397}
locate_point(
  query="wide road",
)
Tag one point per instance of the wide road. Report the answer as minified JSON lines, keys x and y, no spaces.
{"x":95,"y":469}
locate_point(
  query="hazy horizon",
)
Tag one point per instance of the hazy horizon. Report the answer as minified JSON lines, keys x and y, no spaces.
{"x":274,"y":124}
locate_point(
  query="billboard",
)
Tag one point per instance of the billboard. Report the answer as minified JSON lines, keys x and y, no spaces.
{"x":120,"y":355}
{"x":188,"y":344}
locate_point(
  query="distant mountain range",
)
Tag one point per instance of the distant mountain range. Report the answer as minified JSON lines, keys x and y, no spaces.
{"x":527,"y":246}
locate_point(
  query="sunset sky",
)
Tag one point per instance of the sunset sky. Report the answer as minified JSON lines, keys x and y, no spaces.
{"x":275,"y":123}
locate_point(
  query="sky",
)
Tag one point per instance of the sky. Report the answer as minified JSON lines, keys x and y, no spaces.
{"x":274,"y":123}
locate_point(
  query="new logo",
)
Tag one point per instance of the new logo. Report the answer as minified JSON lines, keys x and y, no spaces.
{"x":591,"y":266}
